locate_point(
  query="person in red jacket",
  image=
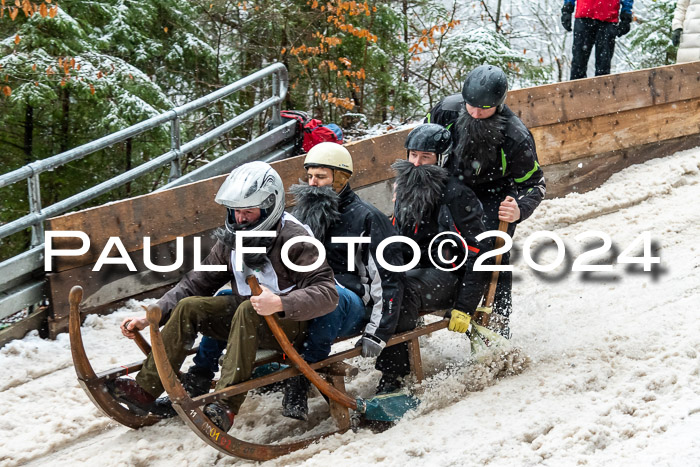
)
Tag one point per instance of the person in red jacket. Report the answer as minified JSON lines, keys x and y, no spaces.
{"x":598,"y":23}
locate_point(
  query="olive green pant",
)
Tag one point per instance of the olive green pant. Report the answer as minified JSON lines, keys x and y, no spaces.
{"x":227,"y":317}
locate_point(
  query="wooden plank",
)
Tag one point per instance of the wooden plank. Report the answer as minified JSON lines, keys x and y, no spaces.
{"x":116,"y":282}
{"x":18,"y":330}
{"x":58,"y":322}
{"x":585,"y":98}
{"x":191,"y":209}
{"x":585,"y":174}
{"x":599,"y":135}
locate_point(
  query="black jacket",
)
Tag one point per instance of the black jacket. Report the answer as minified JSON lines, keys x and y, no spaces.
{"x":379,"y":288}
{"x":518,"y":174}
{"x":459,"y":211}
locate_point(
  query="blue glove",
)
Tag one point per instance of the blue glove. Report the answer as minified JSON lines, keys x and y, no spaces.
{"x":372,"y":346}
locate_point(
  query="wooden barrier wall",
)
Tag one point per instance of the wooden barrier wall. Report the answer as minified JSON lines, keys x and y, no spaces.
{"x":585,"y":130}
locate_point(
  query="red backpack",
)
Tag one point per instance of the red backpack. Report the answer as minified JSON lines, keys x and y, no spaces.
{"x":311,"y":131}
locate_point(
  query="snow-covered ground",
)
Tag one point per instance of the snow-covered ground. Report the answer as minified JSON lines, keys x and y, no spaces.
{"x":614,"y":376}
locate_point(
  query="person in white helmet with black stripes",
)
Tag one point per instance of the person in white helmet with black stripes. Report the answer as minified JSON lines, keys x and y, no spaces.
{"x":254,"y":198}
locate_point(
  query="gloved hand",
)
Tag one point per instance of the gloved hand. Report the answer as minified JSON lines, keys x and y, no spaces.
{"x":372,"y":346}
{"x":459,"y":321}
{"x":676,"y":36}
{"x":566,"y":12}
{"x":623,"y":27}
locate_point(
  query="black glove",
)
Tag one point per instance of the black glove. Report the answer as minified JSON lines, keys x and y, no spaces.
{"x":676,"y":36}
{"x":623,"y":27}
{"x":566,"y":12}
{"x":372,"y":346}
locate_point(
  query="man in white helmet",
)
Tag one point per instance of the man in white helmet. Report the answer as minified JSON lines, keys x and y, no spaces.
{"x":254,"y":198}
{"x":370,"y":295}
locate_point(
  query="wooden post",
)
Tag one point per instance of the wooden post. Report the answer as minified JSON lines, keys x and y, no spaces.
{"x":415,"y":360}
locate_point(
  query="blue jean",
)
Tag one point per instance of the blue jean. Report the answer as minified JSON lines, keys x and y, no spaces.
{"x":347,"y":319}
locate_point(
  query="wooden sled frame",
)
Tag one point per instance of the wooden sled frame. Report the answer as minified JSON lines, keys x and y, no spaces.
{"x":190,"y":410}
{"x":333,"y":369}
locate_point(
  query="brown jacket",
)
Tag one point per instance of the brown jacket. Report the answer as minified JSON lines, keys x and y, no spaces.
{"x":314,"y":292}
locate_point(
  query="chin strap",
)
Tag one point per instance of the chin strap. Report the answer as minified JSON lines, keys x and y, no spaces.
{"x":340,"y":179}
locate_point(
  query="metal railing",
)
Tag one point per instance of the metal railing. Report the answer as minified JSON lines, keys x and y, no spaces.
{"x":16,"y":291}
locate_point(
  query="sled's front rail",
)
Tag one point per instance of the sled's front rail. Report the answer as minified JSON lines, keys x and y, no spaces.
{"x":291,"y":371}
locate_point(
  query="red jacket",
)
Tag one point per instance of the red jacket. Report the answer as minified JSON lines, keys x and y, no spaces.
{"x":603,"y":10}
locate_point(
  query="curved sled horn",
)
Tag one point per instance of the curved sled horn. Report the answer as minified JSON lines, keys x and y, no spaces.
{"x":92,"y":384}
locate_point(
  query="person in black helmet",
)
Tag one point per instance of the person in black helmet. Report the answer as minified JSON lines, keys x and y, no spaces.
{"x":428,"y":203}
{"x":494,"y":154}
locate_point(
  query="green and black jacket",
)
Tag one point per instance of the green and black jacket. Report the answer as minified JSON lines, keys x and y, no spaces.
{"x":515,"y":170}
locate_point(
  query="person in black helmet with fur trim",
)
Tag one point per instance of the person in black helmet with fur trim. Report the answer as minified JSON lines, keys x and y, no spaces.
{"x":430,"y":204}
{"x":494,"y":154}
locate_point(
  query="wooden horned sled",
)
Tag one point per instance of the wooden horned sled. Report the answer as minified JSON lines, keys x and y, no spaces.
{"x":327,"y":375}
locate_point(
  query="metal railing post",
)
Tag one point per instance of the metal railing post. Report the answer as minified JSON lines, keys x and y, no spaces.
{"x":276,"y":118}
{"x":35,"y":207}
{"x":175,"y":169}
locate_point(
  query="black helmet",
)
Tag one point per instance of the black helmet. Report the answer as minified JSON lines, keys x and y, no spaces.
{"x":485,"y":87}
{"x":428,"y":137}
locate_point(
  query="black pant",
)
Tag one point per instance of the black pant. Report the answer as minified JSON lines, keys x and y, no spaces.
{"x":588,"y":33}
{"x":426,"y":289}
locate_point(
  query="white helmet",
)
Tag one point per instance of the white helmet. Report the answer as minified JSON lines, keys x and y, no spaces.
{"x":253,"y":185}
{"x":332,"y":156}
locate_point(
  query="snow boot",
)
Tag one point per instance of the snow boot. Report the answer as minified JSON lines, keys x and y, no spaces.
{"x":196,"y":383}
{"x":220,"y":415}
{"x":389,"y":382}
{"x":128,"y":392}
{"x":295,"y":400}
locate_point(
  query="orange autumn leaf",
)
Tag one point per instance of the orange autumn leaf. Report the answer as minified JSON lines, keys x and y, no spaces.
{"x":165,"y":29}
{"x":99,"y":74}
{"x":18,"y":3}
{"x":53,"y":11}
{"x":72,"y":62}
{"x":34,"y":67}
{"x":48,"y":1}
{"x":43,"y":11}
{"x":7,"y":91}
{"x":63,"y":83}
{"x":92,"y":89}
{"x":17,"y":39}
